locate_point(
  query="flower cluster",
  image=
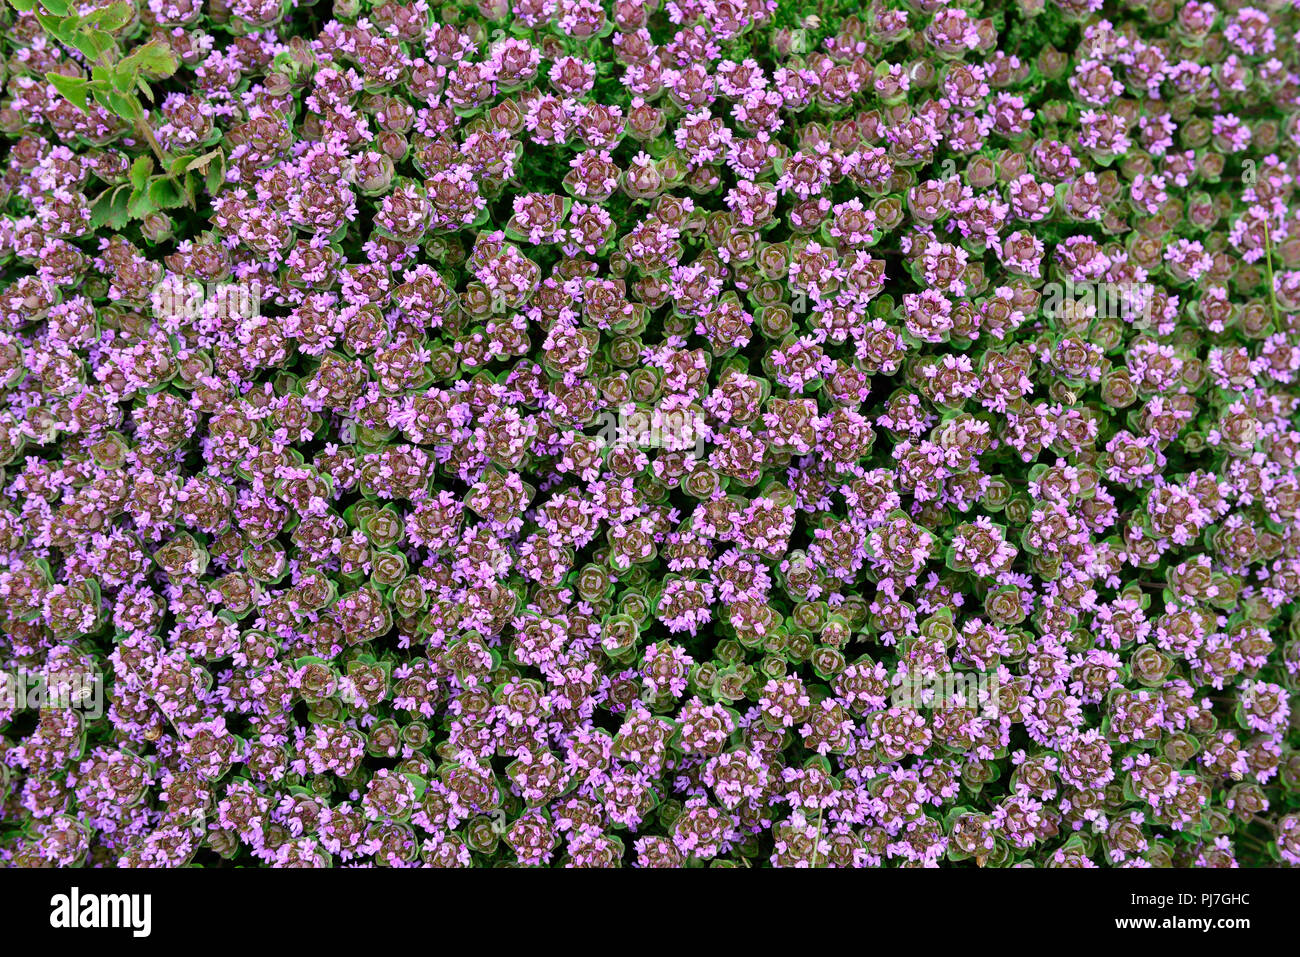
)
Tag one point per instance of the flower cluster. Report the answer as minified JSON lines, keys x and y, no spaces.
{"x":651,"y":432}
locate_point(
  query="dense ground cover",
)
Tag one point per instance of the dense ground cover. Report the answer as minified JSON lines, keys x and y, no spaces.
{"x":717,"y":431}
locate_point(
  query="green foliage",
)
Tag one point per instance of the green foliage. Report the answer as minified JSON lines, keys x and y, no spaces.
{"x":115,"y":84}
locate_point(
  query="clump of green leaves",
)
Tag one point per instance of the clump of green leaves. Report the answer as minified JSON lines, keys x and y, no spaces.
{"x":115,"y":80}
{"x":146,"y":193}
{"x":117,"y":83}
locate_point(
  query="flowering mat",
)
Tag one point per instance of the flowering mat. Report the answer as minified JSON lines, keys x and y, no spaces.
{"x":698,"y":432}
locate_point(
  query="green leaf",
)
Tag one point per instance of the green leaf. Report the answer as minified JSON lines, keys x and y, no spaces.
{"x":110,"y":209}
{"x":93,"y":44}
{"x":140,"y":171}
{"x":419,"y":783}
{"x":126,"y":107}
{"x":165,"y":194}
{"x":155,"y":58}
{"x":73,"y":89}
{"x":57,"y":7}
{"x":192,"y":169}
{"x":23,"y":6}
{"x":140,"y":205}
{"x":123,"y":78}
{"x":57,"y":26}
{"x":216,"y":177}
{"x":112,"y":17}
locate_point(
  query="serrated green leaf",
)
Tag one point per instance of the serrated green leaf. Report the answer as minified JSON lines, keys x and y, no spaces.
{"x":73,"y":89}
{"x":165,"y":193}
{"x":140,"y":171}
{"x":140,"y":205}
{"x":110,"y":209}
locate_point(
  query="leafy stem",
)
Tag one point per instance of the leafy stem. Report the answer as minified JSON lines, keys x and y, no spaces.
{"x":116,"y":83}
